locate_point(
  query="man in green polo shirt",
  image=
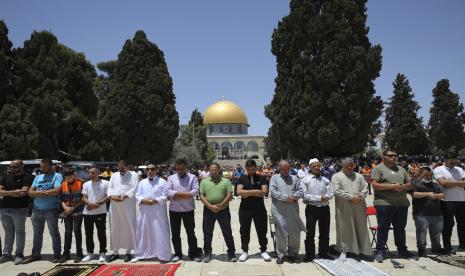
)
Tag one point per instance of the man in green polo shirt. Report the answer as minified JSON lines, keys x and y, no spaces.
{"x":390,"y":183}
{"x":215,"y":194}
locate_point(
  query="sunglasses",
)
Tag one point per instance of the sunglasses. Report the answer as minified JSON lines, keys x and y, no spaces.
{"x":391,"y":155}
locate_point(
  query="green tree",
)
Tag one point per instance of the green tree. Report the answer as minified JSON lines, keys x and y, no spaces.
{"x":197,"y":131}
{"x":56,"y":83}
{"x":447,"y":119}
{"x":188,"y":153}
{"x":6,"y":67}
{"x":138,"y":115}
{"x":18,"y":135}
{"x":405,"y":132}
{"x":324,"y":101}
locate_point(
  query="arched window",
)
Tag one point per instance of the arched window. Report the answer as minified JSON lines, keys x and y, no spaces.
{"x":227,"y":144}
{"x":252,"y":146}
{"x":239,"y":145}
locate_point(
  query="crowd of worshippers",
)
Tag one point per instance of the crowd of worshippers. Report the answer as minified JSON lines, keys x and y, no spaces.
{"x":145,"y":213}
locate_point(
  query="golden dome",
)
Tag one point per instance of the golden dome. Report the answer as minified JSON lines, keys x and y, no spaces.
{"x":224,"y":112}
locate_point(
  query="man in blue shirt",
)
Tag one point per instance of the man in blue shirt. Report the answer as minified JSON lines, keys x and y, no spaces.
{"x":238,"y":172}
{"x":45,"y":190}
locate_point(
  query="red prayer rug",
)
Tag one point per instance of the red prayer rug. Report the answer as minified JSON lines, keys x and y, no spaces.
{"x":136,"y":269}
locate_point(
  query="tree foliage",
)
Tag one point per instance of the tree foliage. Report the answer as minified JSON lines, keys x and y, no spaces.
{"x":196,"y":130}
{"x":56,"y":83}
{"x":324,"y":101}
{"x":18,"y":135}
{"x":137,"y":117}
{"x":6,"y":67}
{"x":404,"y":131}
{"x":447,"y":119}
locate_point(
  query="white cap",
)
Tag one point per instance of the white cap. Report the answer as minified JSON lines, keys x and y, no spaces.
{"x":313,"y":160}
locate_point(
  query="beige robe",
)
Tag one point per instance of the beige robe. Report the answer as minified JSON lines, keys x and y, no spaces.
{"x":351,"y":223}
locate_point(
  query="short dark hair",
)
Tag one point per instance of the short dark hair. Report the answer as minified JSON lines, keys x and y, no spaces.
{"x":95,"y":167}
{"x":216,"y":164}
{"x":180,"y":161}
{"x":422,"y":169}
{"x":68,"y":170}
{"x":250,"y":163}
{"x":123,"y":162}
{"x":388,"y":150}
{"x":47,"y":161}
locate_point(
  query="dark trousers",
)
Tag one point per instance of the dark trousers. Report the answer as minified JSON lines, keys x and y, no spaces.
{"x":432,"y":223}
{"x":313,"y":215}
{"x":387,"y":215}
{"x":189,"y":225}
{"x":73,"y":224}
{"x":100,"y":221}
{"x":224,"y":220}
{"x":451,"y":209}
{"x":259,"y":218}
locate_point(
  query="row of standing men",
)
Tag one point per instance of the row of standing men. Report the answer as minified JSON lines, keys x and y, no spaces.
{"x":146,"y":229}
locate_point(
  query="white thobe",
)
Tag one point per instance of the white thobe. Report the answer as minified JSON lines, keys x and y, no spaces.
{"x":123,"y":214}
{"x":153,"y":226}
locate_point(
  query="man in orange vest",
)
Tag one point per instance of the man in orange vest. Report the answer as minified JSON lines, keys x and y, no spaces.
{"x":71,"y":201}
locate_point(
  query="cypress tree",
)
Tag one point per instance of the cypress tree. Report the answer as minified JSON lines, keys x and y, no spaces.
{"x":324,"y":101}
{"x":405,"y":132}
{"x":56,"y":83}
{"x":6,"y":67}
{"x":138,"y":116}
{"x":447,"y":119}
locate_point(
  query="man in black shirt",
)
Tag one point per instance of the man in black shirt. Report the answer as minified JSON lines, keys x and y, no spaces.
{"x":252,"y":188}
{"x":13,"y":208}
{"x":427,"y":195}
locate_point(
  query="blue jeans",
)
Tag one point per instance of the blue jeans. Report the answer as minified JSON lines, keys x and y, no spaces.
{"x":38,"y":218}
{"x":387,"y":215}
{"x":14,"y":223}
{"x":435,"y":226}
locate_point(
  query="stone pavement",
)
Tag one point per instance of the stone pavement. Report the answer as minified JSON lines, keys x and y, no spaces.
{"x":255,"y":265}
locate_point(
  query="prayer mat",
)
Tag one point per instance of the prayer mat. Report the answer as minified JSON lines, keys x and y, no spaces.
{"x":349,"y":267}
{"x":136,"y":269}
{"x":455,"y":260}
{"x":71,"y":270}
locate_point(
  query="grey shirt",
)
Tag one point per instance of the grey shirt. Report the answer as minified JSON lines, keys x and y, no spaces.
{"x":285,"y":214}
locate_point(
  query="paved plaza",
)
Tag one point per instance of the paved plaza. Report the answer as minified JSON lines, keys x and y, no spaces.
{"x":255,"y":265}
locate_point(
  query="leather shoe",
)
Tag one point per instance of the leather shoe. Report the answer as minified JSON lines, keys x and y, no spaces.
{"x":308,"y":259}
{"x":56,"y":259}
{"x":64,"y":258}
{"x":113,"y":257}
{"x":31,"y":259}
{"x":325,"y":256}
{"x":294,"y":259}
{"x":280,"y":260}
{"x":127,"y":258}
{"x":439,"y":251}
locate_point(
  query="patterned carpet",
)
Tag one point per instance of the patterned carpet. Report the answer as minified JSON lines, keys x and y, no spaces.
{"x":455,"y":260}
{"x":71,"y":270}
{"x":136,"y":269}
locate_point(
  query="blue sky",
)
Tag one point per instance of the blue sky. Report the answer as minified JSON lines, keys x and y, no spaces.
{"x":217,"y":48}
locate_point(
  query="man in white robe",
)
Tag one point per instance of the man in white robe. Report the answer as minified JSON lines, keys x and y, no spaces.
{"x":121,"y":191}
{"x":351,"y":191}
{"x":153,"y":227}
